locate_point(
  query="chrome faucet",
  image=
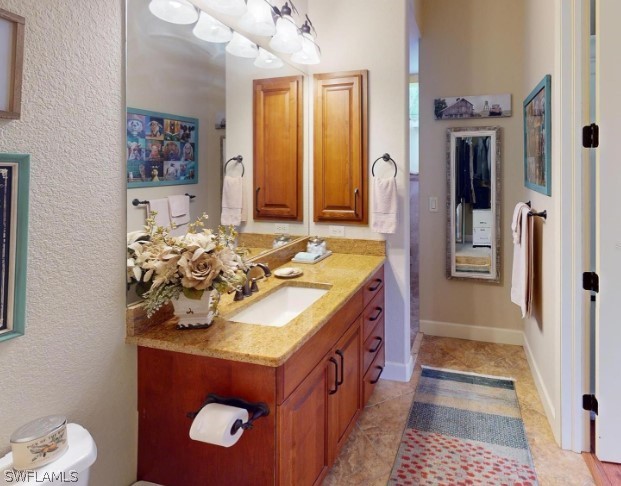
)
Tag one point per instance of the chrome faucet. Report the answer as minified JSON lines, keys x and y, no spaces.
{"x":251,"y":283}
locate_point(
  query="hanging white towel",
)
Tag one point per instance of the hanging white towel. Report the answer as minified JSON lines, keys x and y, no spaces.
{"x":232,"y":200}
{"x":384,"y":205}
{"x":160,"y":206}
{"x":522,"y":276}
{"x":179,"y":207}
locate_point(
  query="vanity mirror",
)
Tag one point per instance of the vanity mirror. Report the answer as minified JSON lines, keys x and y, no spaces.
{"x":174,"y":74}
{"x":473,"y":185}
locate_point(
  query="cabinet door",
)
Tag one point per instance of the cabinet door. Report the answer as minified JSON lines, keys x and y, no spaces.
{"x":302,"y":426}
{"x":344,"y":405}
{"x":278,"y":148}
{"x":340,"y":175}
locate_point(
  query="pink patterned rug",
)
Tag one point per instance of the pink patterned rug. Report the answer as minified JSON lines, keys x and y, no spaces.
{"x":464,"y":429}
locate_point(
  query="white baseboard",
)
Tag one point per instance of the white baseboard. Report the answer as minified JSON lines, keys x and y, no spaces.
{"x":544,"y":396}
{"x":475,"y":333}
{"x":398,"y":371}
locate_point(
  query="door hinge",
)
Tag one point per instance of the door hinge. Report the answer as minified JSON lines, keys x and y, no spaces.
{"x":590,"y":281}
{"x":589,"y":402}
{"x":590,"y":136}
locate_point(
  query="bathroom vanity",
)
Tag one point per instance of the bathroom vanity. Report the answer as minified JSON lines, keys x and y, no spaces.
{"x":315,"y":373}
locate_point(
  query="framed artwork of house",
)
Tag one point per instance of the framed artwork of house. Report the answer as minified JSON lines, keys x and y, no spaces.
{"x":482,"y":106}
{"x":14,"y":183}
{"x":11,"y":64}
{"x":538,"y":138}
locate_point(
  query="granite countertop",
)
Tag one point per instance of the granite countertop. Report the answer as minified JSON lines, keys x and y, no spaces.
{"x":342,"y":273}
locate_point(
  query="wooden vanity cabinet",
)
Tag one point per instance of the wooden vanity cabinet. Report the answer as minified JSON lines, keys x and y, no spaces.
{"x":315,"y":398}
{"x":340,"y":147}
{"x":278,"y":148}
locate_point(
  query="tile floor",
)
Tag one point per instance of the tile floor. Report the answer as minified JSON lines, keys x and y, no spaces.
{"x":368,"y":455}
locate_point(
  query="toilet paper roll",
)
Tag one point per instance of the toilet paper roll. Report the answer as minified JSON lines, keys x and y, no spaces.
{"x":214,"y":424}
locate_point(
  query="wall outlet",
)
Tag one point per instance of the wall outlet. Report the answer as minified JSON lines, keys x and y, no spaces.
{"x":433,"y":204}
{"x":282,"y":228}
{"x":337,"y":231}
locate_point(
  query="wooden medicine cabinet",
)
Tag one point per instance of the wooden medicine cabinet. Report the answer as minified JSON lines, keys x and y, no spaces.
{"x":340,"y":147}
{"x":278,"y":148}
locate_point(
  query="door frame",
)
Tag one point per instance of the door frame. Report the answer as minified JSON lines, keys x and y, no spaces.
{"x":572,"y":60}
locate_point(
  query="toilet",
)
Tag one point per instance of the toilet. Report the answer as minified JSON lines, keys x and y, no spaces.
{"x":79,"y":457}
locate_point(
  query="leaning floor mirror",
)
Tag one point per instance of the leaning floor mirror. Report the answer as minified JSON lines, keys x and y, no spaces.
{"x":473,"y":222}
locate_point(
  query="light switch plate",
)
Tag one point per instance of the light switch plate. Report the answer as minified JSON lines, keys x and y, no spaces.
{"x":337,"y":230}
{"x":282,"y":228}
{"x":433,"y":204}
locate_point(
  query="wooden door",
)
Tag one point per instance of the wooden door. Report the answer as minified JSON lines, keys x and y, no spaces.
{"x":344,"y":405}
{"x":302,"y":427}
{"x":278,"y":148}
{"x":341,"y":161}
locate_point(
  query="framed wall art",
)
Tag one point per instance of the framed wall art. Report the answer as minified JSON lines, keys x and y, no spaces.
{"x":14,"y":184}
{"x":482,"y":106}
{"x":162,"y":149}
{"x":538,"y":138}
{"x":11,"y":64}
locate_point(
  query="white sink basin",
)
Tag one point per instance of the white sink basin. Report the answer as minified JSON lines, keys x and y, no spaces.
{"x":280,"y":307}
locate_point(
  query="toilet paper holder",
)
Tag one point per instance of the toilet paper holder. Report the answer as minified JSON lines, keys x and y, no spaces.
{"x":255,"y":409}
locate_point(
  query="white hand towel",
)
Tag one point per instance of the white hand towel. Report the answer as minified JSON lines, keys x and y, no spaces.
{"x":384,"y":205}
{"x":160,"y":206}
{"x":179,"y":207}
{"x":232,"y":200}
{"x":522,"y":275}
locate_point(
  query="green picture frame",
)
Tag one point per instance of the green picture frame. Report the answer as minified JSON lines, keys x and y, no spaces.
{"x":14,"y":193}
{"x":538,"y":138}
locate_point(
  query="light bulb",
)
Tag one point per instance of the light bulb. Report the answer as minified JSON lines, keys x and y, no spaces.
{"x":174,"y":11}
{"x":211,"y":30}
{"x":228,"y":7}
{"x":287,"y":40}
{"x":267,"y":60}
{"x":242,"y":47}
{"x":309,"y":54}
{"x":258,"y":19}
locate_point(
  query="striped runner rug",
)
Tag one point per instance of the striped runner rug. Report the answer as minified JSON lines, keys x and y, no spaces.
{"x":464,"y":429}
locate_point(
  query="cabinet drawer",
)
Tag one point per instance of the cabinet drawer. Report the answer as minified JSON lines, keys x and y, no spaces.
{"x":372,"y":345}
{"x":372,"y":314}
{"x":372,"y":375}
{"x":373,"y":286}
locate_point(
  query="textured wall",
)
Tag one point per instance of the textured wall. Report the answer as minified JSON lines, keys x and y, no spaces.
{"x":72,"y":359}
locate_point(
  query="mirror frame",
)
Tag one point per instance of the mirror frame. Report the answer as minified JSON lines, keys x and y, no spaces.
{"x":452,"y":134}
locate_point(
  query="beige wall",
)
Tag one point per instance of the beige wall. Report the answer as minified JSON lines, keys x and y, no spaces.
{"x":542,"y":331}
{"x":469,"y":48}
{"x":73,"y":360}
{"x":356,"y":34}
{"x":176,"y":75}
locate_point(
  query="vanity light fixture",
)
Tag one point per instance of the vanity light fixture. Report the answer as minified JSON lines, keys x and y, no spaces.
{"x":228,"y":7}
{"x":211,"y":30}
{"x":174,"y":11}
{"x":267,"y":60}
{"x":258,"y":19}
{"x":286,"y":40}
{"x":242,"y":47}
{"x":309,"y":54}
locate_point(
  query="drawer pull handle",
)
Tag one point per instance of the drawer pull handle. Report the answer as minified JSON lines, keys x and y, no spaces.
{"x":376,"y":316}
{"x":340,"y":353}
{"x":336,"y":377}
{"x":377,"y":346}
{"x":377,"y":285}
{"x":356,"y":191}
{"x":256,"y":199}
{"x":381,"y":368}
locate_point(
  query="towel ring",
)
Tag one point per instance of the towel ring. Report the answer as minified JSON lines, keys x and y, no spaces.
{"x":385,"y":158}
{"x":238,"y":159}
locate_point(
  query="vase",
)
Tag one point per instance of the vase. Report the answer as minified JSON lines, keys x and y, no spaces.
{"x":196,"y":313}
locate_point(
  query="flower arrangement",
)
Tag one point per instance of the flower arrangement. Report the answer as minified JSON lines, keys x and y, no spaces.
{"x":164,"y":266}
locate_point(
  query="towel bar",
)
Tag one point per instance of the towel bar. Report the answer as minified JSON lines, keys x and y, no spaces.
{"x":137,"y":202}
{"x":542,"y":214}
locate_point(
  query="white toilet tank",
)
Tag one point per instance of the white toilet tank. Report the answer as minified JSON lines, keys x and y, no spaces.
{"x":72,"y":467}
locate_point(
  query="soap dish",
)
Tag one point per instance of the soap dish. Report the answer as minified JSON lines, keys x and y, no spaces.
{"x":322,"y":257}
{"x":288,"y":272}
